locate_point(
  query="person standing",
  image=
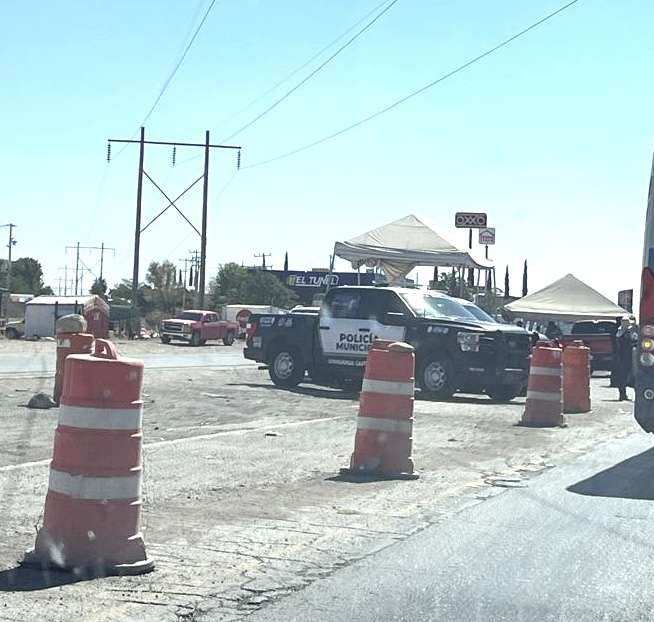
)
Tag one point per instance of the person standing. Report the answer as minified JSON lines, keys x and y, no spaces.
{"x":622,"y":356}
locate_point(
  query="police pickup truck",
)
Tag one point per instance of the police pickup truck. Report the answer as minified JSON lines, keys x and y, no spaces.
{"x":455,"y":350}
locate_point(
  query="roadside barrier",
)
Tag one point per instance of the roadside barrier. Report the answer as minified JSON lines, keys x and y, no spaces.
{"x":576,"y":378}
{"x":382,"y":444}
{"x":92,"y":510}
{"x":544,"y":404}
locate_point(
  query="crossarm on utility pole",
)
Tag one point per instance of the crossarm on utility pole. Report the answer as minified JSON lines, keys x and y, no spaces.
{"x":154,"y":183}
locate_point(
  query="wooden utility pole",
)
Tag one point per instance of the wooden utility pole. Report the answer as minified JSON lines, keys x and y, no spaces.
{"x":77,"y":248}
{"x":203,"y":235}
{"x":138,"y":230}
{"x":263,"y":259}
{"x":10,"y":245}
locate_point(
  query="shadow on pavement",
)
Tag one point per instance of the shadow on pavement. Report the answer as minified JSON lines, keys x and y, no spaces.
{"x":331,"y":394}
{"x":629,"y":479}
{"x":20,"y":579}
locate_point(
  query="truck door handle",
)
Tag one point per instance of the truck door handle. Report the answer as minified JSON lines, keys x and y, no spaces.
{"x":325,"y":327}
{"x":364,"y":330}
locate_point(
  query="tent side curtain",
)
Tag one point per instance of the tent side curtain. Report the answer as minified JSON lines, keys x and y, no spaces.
{"x":363,"y":255}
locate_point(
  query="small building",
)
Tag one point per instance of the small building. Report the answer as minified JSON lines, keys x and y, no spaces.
{"x":42,"y":312}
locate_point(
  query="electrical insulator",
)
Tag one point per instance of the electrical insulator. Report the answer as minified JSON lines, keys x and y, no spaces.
{"x":108,"y":152}
{"x":174,"y":154}
{"x":238,"y":160}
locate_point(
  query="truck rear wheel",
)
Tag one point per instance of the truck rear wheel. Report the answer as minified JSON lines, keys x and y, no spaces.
{"x":286,"y":367}
{"x":435,"y":378}
{"x":229,"y":338}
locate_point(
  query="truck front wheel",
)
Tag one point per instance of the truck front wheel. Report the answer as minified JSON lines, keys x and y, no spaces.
{"x":195,"y":339}
{"x":229,"y":337}
{"x":165,"y":339}
{"x":435,"y":378}
{"x":286,"y":367}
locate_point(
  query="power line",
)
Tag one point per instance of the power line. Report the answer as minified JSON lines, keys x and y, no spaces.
{"x":179,"y":62}
{"x":172,"y":73}
{"x":314,"y":72}
{"x":424,"y":88}
{"x":297,"y":70}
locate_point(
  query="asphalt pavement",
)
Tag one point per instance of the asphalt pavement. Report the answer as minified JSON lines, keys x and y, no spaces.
{"x":575,"y":544}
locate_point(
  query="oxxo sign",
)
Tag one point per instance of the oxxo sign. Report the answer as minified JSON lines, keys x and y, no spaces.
{"x":470,"y":220}
{"x":487,"y":236}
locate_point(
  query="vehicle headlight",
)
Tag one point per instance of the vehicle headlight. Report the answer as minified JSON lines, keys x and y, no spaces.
{"x":468,"y":342}
{"x":647,"y":344}
{"x":186,"y":328}
{"x":647,"y":359}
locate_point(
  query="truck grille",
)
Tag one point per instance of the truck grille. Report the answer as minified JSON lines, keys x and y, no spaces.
{"x":517,"y":351}
{"x":172,"y":327}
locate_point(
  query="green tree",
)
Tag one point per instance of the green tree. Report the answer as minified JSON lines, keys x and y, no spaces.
{"x":26,"y":276}
{"x":226,"y":287}
{"x":235,"y":284}
{"x":99,"y":288}
{"x":46,"y":291}
{"x":161,"y":292}
{"x":263,"y":288}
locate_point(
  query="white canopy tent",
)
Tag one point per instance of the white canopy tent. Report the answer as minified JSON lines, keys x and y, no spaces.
{"x":567,"y":300}
{"x":402,"y":245}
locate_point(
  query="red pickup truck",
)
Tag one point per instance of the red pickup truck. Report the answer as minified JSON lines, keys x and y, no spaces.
{"x":598,"y":336}
{"x":198,"y":327}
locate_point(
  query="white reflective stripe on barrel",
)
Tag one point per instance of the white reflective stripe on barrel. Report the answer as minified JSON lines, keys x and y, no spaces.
{"x":101,"y":418}
{"x":542,"y":395}
{"x":387,"y":386}
{"x":95,"y":488}
{"x":385,"y":425}
{"x":545,"y":371}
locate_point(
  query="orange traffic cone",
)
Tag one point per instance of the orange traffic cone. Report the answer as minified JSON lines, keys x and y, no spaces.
{"x":576,"y":378}
{"x":544,"y":403}
{"x":382,"y":445}
{"x":92,"y":510}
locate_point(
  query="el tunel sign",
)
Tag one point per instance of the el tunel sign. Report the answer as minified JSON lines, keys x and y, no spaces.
{"x":470,"y":220}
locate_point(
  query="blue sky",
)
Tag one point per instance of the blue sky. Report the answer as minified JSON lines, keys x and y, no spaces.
{"x":551,"y":136}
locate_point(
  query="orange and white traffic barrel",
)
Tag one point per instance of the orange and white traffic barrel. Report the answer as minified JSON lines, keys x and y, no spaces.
{"x":576,"y":378}
{"x":92,"y":510}
{"x":544,"y":404}
{"x":384,"y":436}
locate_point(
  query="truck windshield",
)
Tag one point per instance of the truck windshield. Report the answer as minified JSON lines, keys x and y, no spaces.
{"x":480,"y":314}
{"x":187,"y":315}
{"x":436,"y":307}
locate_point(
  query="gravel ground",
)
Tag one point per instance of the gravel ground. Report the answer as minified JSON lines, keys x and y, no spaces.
{"x":243,"y":502}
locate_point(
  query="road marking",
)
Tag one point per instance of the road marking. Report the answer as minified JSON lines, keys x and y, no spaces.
{"x":187,"y":439}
